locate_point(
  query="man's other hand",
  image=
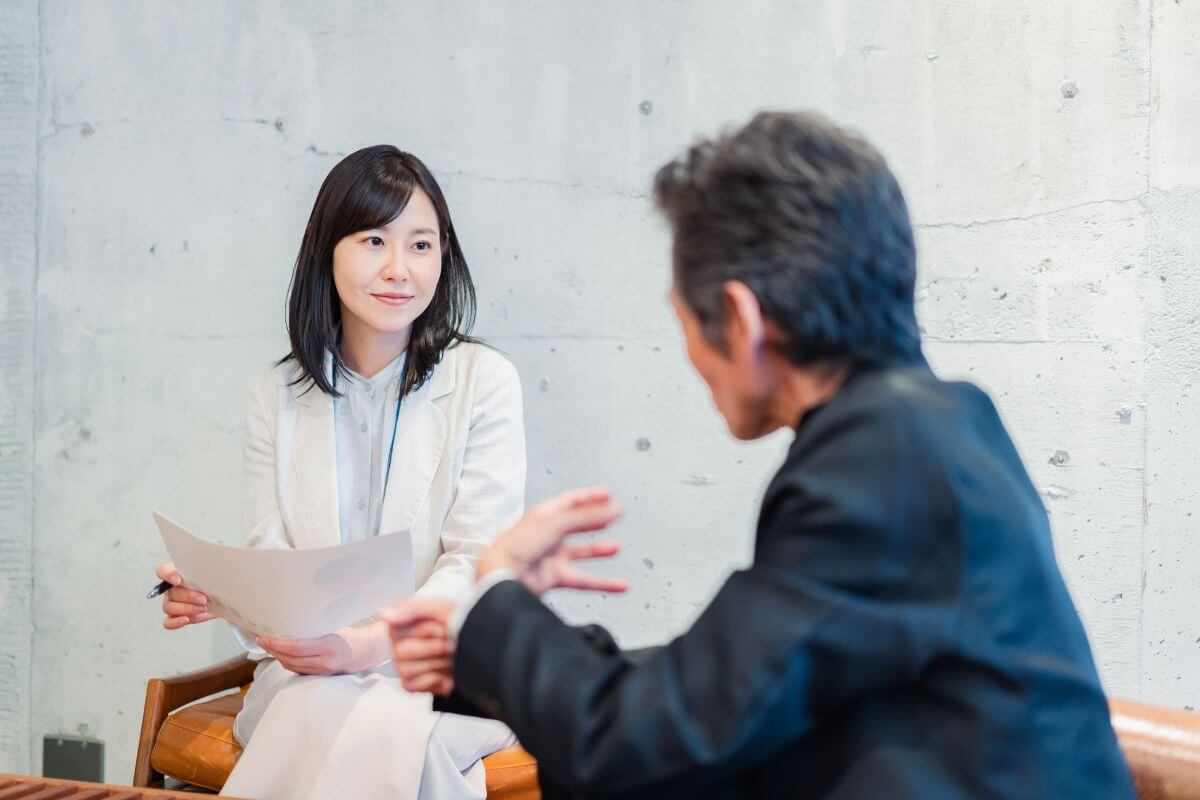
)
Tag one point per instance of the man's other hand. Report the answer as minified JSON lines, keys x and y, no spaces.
{"x":421,"y":646}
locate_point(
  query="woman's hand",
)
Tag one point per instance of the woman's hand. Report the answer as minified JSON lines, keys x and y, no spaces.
{"x":181,"y":605}
{"x":342,"y":652}
{"x":421,"y":646}
{"x":536,"y":549}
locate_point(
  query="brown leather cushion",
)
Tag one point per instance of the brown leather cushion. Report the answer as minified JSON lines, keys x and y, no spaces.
{"x":196,"y":745}
{"x":1162,"y":746}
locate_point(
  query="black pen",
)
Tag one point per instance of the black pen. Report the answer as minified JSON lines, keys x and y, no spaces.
{"x":157,"y":590}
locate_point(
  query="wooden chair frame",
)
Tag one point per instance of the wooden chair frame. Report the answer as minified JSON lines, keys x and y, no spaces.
{"x":164,"y":695}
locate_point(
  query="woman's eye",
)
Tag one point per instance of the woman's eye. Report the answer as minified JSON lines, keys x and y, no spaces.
{"x":375,"y":241}
{"x":423,"y":245}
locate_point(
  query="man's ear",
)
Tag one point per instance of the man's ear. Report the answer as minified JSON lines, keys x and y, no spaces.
{"x":745,"y":328}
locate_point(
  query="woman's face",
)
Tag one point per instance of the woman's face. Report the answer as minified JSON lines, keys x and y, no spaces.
{"x":386,"y":277}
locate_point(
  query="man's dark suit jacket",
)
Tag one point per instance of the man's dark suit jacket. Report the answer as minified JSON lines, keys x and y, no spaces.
{"x":903,"y":632}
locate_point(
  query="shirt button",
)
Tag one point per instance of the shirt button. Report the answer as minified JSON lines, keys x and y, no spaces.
{"x":362,"y":504}
{"x":363,"y":427}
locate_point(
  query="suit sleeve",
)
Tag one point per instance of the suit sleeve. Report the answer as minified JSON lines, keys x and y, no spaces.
{"x":852,"y":590}
{"x":491,"y":488}
{"x":262,"y":522}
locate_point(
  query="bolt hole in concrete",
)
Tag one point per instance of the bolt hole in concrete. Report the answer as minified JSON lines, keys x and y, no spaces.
{"x":1069,"y":90}
{"x":645,"y":107}
{"x":1060,"y":458}
{"x":643,"y":444}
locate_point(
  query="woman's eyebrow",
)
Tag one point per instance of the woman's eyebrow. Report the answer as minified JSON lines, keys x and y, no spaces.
{"x":426,"y":231}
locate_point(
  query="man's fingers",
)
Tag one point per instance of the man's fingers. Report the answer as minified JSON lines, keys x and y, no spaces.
{"x":426,"y":630}
{"x":432,"y":682}
{"x":175,"y":623}
{"x":574,"y":579}
{"x":603,"y":548}
{"x":420,"y":649}
{"x":590,"y":518}
{"x":202,"y":617}
{"x":583,"y":496}
{"x":410,"y":669}
{"x":417,"y":609}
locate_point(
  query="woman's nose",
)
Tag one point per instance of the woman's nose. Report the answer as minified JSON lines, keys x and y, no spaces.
{"x":395,"y":268}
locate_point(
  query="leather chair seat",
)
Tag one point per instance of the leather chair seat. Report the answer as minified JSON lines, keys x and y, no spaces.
{"x":196,"y":745}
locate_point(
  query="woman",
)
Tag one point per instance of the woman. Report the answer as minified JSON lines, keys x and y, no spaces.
{"x":385,"y":417}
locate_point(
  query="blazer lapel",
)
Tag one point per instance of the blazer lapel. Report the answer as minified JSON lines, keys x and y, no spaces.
{"x":314,"y":459}
{"x":420,"y":439}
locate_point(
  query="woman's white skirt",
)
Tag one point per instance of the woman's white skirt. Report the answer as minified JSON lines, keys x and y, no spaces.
{"x":309,"y":737}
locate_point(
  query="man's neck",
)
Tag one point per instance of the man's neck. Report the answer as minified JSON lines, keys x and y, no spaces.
{"x":367,"y":352}
{"x":802,"y":389}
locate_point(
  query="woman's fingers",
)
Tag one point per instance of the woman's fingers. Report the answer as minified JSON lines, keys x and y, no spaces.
{"x":174,"y":622}
{"x":305,"y":666}
{"x":296,"y":648}
{"x":183,"y":607}
{"x":182,"y":595}
{"x":167,"y":572}
{"x":295,"y":663}
{"x":172,"y":609}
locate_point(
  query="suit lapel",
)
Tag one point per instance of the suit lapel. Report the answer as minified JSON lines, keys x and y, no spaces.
{"x":420,"y":439}
{"x":314,"y":459}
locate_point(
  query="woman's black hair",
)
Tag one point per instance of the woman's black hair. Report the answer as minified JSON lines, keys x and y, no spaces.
{"x":368,"y":189}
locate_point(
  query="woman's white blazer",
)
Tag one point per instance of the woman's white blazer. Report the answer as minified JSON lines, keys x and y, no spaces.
{"x":457,"y":477}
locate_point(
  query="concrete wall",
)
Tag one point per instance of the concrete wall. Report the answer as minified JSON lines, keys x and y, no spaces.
{"x":18,"y":268}
{"x":1047,"y":154}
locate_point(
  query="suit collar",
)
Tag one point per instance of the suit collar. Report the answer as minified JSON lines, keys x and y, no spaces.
{"x":421,"y":435}
{"x":439,"y":384}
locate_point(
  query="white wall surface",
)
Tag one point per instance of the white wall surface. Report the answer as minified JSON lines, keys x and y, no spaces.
{"x":1048,"y":154}
{"x":18,"y":268}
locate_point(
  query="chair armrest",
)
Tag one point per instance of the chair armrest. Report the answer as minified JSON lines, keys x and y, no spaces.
{"x":1162,"y":746}
{"x":164,"y":695}
{"x":182,"y":689}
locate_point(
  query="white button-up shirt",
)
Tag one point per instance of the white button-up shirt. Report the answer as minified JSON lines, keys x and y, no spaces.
{"x":363,"y":423}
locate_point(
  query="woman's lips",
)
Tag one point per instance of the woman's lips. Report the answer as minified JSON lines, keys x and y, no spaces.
{"x":393,"y":299}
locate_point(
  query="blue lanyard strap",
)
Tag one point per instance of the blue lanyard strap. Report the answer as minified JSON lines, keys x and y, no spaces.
{"x":395,"y":424}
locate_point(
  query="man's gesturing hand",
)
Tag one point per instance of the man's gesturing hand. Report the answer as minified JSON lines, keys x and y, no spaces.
{"x":537,"y":551}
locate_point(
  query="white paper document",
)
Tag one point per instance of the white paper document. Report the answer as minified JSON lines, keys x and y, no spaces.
{"x":296,"y":594}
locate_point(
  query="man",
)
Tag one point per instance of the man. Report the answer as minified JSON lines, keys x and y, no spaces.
{"x":903,"y":631}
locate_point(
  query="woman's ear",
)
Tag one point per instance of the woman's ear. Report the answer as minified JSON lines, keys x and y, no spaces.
{"x":745,"y":329}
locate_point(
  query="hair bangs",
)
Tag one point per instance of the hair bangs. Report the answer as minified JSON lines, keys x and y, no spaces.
{"x":379,"y":197}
